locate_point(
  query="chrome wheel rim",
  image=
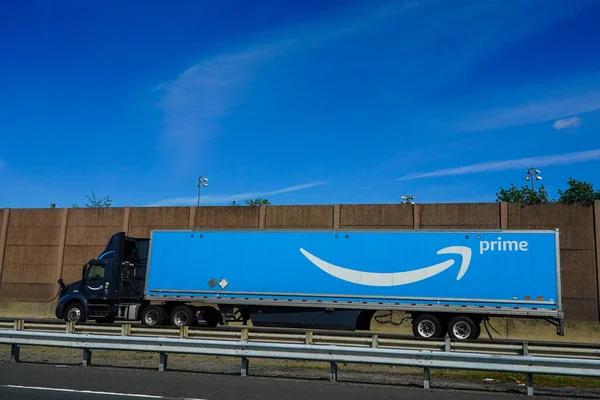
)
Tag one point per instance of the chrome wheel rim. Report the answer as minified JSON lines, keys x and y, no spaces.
{"x":74,"y":314}
{"x":461,"y":330}
{"x":151,"y":317}
{"x":426,"y":328}
{"x":181,"y":318}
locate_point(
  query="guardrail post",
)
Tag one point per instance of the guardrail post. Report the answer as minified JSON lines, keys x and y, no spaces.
{"x":19,"y":325}
{"x":245,"y":366}
{"x":87,"y":357}
{"x":525,"y":348}
{"x":374,"y":340}
{"x":309,"y":338}
{"x":183,"y":332}
{"x":70,"y":327}
{"x":529,"y":384}
{"x":244,"y":334}
{"x":15,"y":353}
{"x":333,"y":372}
{"x":125,"y":329}
{"x":447,"y":344}
{"x":426,"y":378}
{"x":162,"y":363}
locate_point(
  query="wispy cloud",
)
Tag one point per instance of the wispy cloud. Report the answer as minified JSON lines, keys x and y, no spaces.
{"x":219,"y":199}
{"x":546,"y":109}
{"x":195,"y":102}
{"x":506,"y":165}
{"x":573,"y":122}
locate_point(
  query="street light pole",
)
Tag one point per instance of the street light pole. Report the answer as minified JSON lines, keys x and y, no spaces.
{"x":201,"y":183}
{"x":533,"y":175}
{"x":408,"y":198}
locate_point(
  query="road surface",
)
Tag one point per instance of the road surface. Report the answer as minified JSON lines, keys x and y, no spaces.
{"x":52,"y":382}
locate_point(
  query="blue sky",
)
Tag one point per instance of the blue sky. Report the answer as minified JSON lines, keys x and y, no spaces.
{"x":304,"y":102}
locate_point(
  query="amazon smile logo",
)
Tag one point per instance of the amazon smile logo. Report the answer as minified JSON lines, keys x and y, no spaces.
{"x":394,"y":278}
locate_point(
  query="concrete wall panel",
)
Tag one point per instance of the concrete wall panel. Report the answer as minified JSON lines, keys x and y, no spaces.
{"x":579,"y":286}
{"x":376,"y":216}
{"x":464,"y":216}
{"x":549,"y":215}
{"x":578,"y":262}
{"x":72,"y":272}
{"x":25,"y":255}
{"x":227,"y":217}
{"x":580,"y":309}
{"x":81,"y":254}
{"x":101,"y":217}
{"x":578,"y":258}
{"x":24,"y":273}
{"x":35,"y":217}
{"x":143,"y":219}
{"x":28,"y":291}
{"x":299,"y":217}
{"x":35,"y":236}
{"x":93,"y":235}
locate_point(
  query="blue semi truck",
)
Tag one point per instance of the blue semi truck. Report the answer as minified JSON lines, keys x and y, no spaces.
{"x":447,"y":281}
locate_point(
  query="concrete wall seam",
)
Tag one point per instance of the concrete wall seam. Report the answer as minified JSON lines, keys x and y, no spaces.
{"x":597,"y":239}
{"x":64,"y":221}
{"x":3,"y":239}
{"x":126,"y":219}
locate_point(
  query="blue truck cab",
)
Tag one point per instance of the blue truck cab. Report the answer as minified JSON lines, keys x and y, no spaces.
{"x":109,"y":284}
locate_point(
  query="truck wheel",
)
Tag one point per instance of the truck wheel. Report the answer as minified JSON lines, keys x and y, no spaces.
{"x":428,"y":326}
{"x":182,"y":316}
{"x":463,"y":328}
{"x":75,"y":312}
{"x":153,"y":315}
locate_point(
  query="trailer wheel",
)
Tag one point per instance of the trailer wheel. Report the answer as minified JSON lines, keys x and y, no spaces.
{"x":463,"y":328}
{"x":428,"y":326}
{"x":153,"y":315}
{"x":182,"y":316}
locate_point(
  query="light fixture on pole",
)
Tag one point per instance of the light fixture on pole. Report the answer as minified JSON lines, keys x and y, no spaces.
{"x":408,"y":199}
{"x":201,"y":183}
{"x":533,"y":175}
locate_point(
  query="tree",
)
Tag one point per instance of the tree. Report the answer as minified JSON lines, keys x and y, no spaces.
{"x":104,"y":202}
{"x":252,"y":202}
{"x":524,"y":195}
{"x":578,"y":192}
{"x":257,"y":202}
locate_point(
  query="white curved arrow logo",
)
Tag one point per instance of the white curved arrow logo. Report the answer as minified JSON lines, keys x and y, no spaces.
{"x":394,"y":278}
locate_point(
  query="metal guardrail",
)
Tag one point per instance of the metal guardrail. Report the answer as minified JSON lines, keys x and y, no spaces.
{"x":339,"y":338}
{"x":333,"y":354}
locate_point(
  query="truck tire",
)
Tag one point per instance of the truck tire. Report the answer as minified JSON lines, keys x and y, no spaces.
{"x":427,"y":326}
{"x":182,"y":316}
{"x":75,"y":312}
{"x":153,"y":316}
{"x":463,"y":328}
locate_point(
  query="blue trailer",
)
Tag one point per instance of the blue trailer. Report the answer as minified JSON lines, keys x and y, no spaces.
{"x":449,"y":281}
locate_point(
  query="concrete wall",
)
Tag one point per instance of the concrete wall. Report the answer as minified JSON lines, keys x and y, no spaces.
{"x":37,"y":246}
{"x":578,"y":251}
